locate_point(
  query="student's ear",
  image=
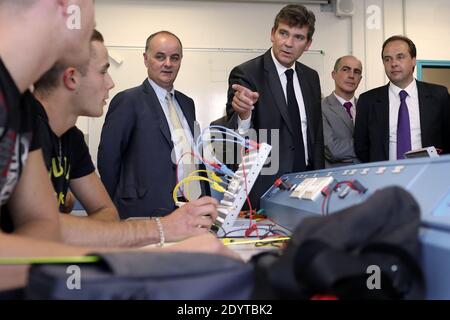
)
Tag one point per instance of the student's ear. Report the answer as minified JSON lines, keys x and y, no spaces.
{"x":70,"y":78}
{"x":145,"y":59}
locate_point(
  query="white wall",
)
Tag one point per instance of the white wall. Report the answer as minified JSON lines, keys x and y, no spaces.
{"x":205,"y":25}
{"x":247,"y":25}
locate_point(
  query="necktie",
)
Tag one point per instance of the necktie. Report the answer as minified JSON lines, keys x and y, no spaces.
{"x":403,"y":127}
{"x":348,"y":106}
{"x":180,"y":139}
{"x":294,"y":114}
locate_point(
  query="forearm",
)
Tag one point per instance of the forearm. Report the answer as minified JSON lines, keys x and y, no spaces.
{"x":43,"y":229}
{"x":87,"y":231}
{"x":106,"y":214}
{"x":15,"y":276}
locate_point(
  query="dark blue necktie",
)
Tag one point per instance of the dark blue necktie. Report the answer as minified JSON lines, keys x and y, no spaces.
{"x":294,"y":114}
{"x":403,"y":127}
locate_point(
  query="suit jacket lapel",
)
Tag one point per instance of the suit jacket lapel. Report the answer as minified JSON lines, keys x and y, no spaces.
{"x":339,"y":110}
{"x":424,"y":110}
{"x":276,"y":89}
{"x":381,"y":106}
{"x":153,"y":103}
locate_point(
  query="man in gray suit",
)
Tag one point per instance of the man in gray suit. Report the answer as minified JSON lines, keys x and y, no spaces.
{"x":339,"y":113}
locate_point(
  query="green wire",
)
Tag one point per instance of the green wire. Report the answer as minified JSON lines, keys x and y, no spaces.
{"x":48,"y":260}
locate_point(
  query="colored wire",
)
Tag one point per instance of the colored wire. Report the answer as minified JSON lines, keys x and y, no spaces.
{"x":188,"y":179}
{"x":48,"y":260}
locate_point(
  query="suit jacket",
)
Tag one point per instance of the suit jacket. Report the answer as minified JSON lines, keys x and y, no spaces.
{"x":337,"y":133}
{"x":372,"y":121}
{"x":271,"y":113}
{"x":134,"y":155}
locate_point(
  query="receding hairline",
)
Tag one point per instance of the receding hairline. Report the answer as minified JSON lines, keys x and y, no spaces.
{"x":338,"y":63}
{"x":162,"y":32}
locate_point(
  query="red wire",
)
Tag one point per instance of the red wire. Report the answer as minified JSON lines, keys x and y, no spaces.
{"x":252,"y":226}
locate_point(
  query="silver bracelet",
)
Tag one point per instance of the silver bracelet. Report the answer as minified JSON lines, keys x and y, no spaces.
{"x":159,"y":225}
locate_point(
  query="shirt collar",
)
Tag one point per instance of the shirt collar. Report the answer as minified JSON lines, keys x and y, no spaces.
{"x":411,"y":89}
{"x":342,"y":100}
{"x":280,"y":68}
{"x":160,"y":92}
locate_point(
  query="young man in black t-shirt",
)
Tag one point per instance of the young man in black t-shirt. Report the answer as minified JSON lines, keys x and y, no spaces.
{"x":34,"y":35}
{"x":65,"y":94}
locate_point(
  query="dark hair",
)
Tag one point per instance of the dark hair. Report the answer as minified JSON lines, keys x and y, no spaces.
{"x":147,"y":43}
{"x":296,"y":15}
{"x":336,"y":64}
{"x":97,"y":36}
{"x":411,"y":45}
{"x":50,"y":79}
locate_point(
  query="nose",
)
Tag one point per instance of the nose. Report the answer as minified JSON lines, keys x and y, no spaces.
{"x":289,"y":42}
{"x":167,"y":62}
{"x":110,"y":82}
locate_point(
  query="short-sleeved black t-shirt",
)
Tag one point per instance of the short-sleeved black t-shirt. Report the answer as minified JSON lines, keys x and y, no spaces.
{"x":17,"y":132}
{"x":66,"y":157}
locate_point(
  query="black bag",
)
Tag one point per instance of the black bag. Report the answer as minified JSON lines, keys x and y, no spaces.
{"x":338,"y":255}
{"x":145,"y":275}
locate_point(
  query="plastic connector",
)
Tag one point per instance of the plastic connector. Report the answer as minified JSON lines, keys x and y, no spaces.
{"x":329,"y":188}
{"x":227,"y":171}
{"x":217,"y":187}
{"x":358,"y":186}
{"x":282,"y":184}
{"x":251,"y":143}
{"x":216,"y":178}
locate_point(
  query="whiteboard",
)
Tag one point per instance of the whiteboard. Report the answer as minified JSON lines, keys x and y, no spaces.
{"x":203,"y":77}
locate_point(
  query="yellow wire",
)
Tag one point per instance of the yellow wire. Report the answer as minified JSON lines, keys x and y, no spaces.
{"x":231,"y":241}
{"x":211,"y":173}
{"x":188,"y":179}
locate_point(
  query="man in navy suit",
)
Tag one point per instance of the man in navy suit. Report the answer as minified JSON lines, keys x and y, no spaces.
{"x":403,"y":115}
{"x":276,"y":93}
{"x":139,"y":135}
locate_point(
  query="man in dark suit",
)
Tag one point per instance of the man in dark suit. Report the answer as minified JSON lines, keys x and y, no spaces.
{"x":403,"y":115}
{"x":339,"y":111}
{"x":146,"y":131}
{"x":276,"y":93}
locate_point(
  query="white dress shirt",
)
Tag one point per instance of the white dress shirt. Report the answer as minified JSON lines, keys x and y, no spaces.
{"x":412,"y":101}
{"x":244,"y":125}
{"x":161,"y":94}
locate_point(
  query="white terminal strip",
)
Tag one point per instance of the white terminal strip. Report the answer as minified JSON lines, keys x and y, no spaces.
{"x":236,"y":193}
